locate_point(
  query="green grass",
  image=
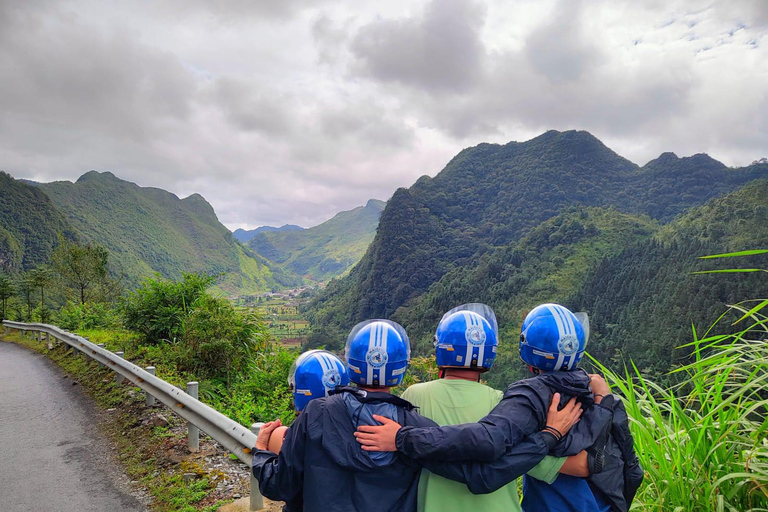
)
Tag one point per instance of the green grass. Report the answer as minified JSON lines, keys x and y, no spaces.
{"x":703,"y":442}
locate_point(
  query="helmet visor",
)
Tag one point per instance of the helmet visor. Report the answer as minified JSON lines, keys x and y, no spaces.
{"x":583,"y":319}
{"x":483,"y":310}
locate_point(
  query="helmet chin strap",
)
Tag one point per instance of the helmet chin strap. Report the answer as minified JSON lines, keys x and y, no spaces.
{"x":534,"y":371}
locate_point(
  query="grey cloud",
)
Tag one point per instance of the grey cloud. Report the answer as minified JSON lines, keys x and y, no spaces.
{"x":59,"y":72}
{"x":559,"y":49}
{"x":253,"y":107}
{"x":441,"y":50}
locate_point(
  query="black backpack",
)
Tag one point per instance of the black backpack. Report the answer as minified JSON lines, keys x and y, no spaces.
{"x":615,"y":470}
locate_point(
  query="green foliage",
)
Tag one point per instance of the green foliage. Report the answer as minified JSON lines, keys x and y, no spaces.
{"x":7,"y":290}
{"x":82,"y":267}
{"x":703,"y":442}
{"x":325,"y":251}
{"x":78,"y":317}
{"x":643,"y":299}
{"x":29,"y":225}
{"x":220,"y":340}
{"x":196,"y":333}
{"x":263,"y":394}
{"x":159,"y":308}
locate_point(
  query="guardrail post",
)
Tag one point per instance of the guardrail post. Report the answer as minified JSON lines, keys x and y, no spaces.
{"x":118,"y":377}
{"x":257,"y":500}
{"x":6,"y":330}
{"x":101,"y":345}
{"x":193,"y":433}
{"x":48,"y":340}
{"x":150,"y":399}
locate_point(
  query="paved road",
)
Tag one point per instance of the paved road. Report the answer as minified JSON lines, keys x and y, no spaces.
{"x":51,"y":457}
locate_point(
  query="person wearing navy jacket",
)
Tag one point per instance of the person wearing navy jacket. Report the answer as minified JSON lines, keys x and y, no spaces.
{"x":320,"y":466}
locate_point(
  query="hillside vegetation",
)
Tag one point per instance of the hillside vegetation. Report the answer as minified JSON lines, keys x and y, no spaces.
{"x":324,"y":251}
{"x":507,"y":225}
{"x":29,"y":225}
{"x":149,"y":230}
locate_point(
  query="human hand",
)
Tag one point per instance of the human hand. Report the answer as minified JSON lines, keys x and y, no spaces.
{"x":599,"y":387}
{"x":262,"y":440}
{"x":378,"y":438}
{"x":564,"y":419}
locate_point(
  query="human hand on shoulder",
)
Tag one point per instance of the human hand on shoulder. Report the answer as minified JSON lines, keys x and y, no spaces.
{"x":262,"y":441}
{"x":559,"y":422}
{"x":378,"y":438}
{"x":599,"y":387}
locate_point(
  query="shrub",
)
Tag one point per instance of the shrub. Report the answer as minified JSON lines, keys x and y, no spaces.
{"x":78,"y":317}
{"x":158,"y":308}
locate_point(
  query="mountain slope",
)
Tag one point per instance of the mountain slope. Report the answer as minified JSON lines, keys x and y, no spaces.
{"x":490,"y":195}
{"x":324,"y":251}
{"x":644,"y":299}
{"x":149,"y":230}
{"x":29,"y":225}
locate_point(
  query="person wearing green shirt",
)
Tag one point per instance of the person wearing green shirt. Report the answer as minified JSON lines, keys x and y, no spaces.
{"x":465,"y":346}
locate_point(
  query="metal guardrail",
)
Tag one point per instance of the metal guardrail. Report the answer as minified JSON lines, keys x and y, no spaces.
{"x":233,"y":436}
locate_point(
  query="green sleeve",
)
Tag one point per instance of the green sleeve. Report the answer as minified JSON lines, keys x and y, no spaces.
{"x":548,"y":469}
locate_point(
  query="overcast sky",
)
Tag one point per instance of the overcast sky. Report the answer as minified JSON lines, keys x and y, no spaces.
{"x":289,"y":111}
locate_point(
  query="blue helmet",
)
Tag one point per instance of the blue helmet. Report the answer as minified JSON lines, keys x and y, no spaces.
{"x":313,"y":374}
{"x":466,"y":338}
{"x":377,"y":353}
{"x":553,"y":338}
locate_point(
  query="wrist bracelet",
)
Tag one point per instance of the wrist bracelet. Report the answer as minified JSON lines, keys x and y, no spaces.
{"x":558,"y":435}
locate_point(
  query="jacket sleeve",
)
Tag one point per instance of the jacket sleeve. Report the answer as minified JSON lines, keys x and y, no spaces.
{"x":595,"y":421}
{"x":281,"y":477}
{"x":486,"y":477}
{"x":511,"y":421}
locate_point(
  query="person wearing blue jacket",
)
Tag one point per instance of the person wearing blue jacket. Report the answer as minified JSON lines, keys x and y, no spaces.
{"x":501,"y":446}
{"x":314,"y":374}
{"x":320,"y":465}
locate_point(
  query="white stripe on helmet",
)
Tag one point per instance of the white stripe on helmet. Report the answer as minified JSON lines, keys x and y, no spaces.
{"x":481,"y":349}
{"x":558,"y":320}
{"x":371,"y":344}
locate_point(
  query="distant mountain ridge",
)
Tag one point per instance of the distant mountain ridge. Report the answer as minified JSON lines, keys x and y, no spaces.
{"x":149,"y":230}
{"x":244,"y":236}
{"x":490,"y":196}
{"x":323,"y":251}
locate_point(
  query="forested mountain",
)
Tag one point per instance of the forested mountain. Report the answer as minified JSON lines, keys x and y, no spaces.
{"x":644,"y":299}
{"x":490,"y":196}
{"x":244,"y":236}
{"x":29,"y":225}
{"x":149,"y":230}
{"x":324,"y":251}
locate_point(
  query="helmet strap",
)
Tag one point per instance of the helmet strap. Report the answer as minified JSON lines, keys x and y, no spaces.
{"x":534,"y":371}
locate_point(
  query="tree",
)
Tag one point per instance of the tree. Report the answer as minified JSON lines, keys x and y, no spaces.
{"x":25,"y":290}
{"x":6,"y":290}
{"x":40,"y":277}
{"x":81,"y":266}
